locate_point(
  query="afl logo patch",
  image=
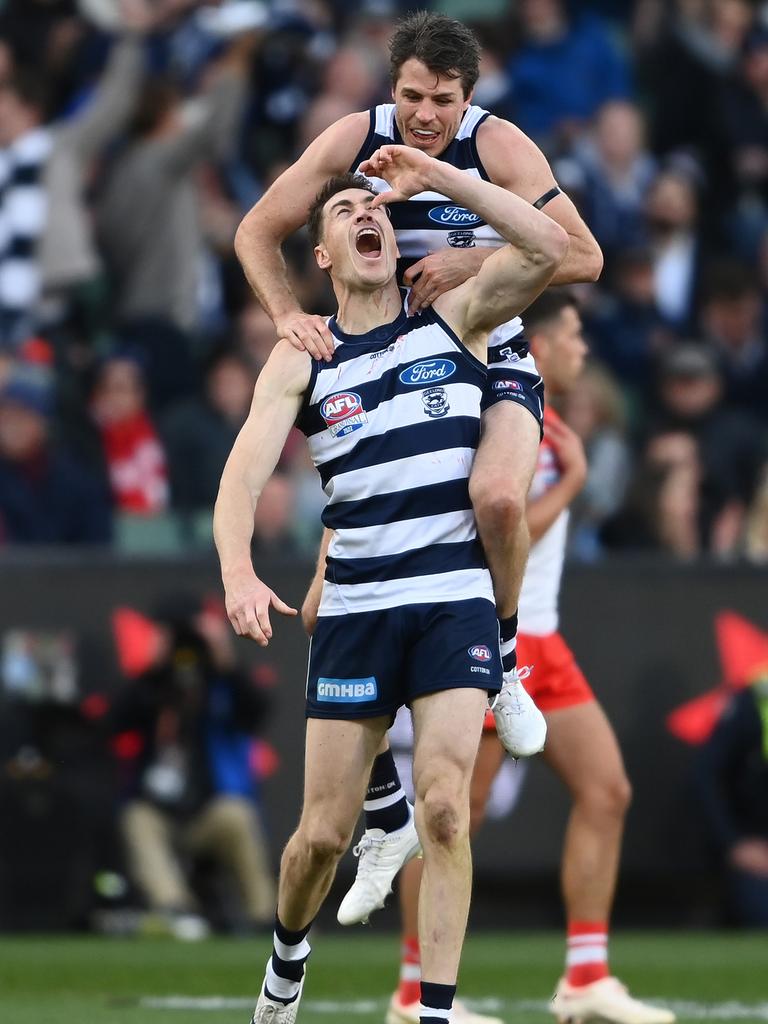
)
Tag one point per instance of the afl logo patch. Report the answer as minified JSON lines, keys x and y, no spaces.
{"x":343,"y":413}
{"x":480,"y":652}
{"x":507,"y":385}
{"x":430,"y":371}
{"x":454,"y":216}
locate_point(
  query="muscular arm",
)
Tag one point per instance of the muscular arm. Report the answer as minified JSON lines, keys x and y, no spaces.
{"x":276,"y":402}
{"x":284,"y":208}
{"x":516,"y":163}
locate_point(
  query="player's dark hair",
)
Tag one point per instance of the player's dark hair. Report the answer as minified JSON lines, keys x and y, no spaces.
{"x":547,"y":308}
{"x":338,"y":183}
{"x":441,"y":43}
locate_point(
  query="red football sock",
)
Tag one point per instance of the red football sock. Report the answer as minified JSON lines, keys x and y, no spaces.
{"x":586,"y":957}
{"x":409,"y":989}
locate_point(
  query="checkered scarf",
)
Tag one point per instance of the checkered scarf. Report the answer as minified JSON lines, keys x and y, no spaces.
{"x":23,"y":212}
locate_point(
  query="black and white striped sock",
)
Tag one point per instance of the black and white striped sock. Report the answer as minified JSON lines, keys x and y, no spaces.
{"x":508,"y":638}
{"x":385,"y":804}
{"x":285,"y":968}
{"x":436,"y":1003}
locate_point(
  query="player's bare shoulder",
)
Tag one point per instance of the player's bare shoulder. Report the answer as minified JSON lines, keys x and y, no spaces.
{"x":336,"y":147}
{"x":511,"y":159}
{"x":287,"y":370}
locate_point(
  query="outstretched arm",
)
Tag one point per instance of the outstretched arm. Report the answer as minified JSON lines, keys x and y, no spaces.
{"x":282,"y":210}
{"x":276,"y":402}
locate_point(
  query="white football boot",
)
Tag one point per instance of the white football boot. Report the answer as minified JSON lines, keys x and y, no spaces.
{"x":272,"y":1011}
{"x":381,"y":855}
{"x":408,"y":1013}
{"x":520,"y":725}
{"x":604,"y":1000}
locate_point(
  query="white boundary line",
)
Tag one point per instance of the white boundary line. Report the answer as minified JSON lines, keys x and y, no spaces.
{"x":686,"y":1009}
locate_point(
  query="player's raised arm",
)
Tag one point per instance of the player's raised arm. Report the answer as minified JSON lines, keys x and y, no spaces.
{"x":276,"y":401}
{"x":515,"y":274}
{"x":515,"y":162}
{"x":281,"y":211}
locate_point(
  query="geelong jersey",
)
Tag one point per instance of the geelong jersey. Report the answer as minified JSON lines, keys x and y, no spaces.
{"x":393,"y":423}
{"x":430,"y":221}
{"x":538,"y":611}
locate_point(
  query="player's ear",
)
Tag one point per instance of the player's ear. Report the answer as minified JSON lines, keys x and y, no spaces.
{"x":322,"y":257}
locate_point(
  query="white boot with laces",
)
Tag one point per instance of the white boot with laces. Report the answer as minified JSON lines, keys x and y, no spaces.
{"x":380,"y":856}
{"x":520,"y":725}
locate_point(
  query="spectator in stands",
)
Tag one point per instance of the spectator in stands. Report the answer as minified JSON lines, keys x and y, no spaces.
{"x":684,"y":65}
{"x":274,"y":520}
{"x":732,"y":781}
{"x":565,"y":69}
{"x":595,"y":411}
{"x":744,"y":128}
{"x":626,"y":329}
{"x":732,"y":320}
{"x":190,"y":791}
{"x":610,"y":174}
{"x":672,"y":212}
{"x":199,"y":432}
{"x":148,"y":215}
{"x":46,"y":496}
{"x":701,"y":462}
{"x":49,"y":248}
{"x":134,"y":455}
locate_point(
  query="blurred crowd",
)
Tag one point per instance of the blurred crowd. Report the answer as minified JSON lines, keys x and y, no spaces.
{"x":134,"y":134}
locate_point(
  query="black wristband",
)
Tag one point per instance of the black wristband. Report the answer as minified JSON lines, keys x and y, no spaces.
{"x":543,"y":200}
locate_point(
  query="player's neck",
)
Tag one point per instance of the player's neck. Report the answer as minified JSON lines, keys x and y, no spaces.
{"x":360,"y":312}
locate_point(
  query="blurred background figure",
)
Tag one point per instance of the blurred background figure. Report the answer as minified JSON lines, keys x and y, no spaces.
{"x":190,"y":790}
{"x":134,"y":456}
{"x":564,"y":69}
{"x":732,"y":783}
{"x":46,"y":495}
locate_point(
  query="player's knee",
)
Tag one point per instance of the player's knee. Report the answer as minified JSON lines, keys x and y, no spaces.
{"x":324,"y":842}
{"x":609,"y":797}
{"x":498,"y":507}
{"x":445,"y":822}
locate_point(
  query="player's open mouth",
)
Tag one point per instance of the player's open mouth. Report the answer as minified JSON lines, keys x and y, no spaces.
{"x":424,"y":136}
{"x":368,"y":243}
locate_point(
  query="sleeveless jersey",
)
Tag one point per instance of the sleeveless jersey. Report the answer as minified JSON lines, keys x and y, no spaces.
{"x":538,"y":610}
{"x":430,"y":221}
{"x":393,"y":423}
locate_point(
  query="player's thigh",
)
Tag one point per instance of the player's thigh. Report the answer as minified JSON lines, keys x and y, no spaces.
{"x":338,"y":758}
{"x":447,"y":727}
{"x":583,"y":750}
{"x":506,"y":456}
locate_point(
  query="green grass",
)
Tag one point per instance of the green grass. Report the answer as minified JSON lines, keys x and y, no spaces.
{"x":80,"y":980}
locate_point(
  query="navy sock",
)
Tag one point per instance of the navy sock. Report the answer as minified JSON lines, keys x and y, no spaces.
{"x":508,"y":638}
{"x":285,"y":968}
{"x":436,"y":1003}
{"x":385,"y":804}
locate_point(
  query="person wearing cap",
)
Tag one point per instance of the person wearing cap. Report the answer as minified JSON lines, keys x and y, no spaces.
{"x":46,"y":496}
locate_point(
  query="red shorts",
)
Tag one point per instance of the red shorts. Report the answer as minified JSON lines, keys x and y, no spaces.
{"x":556,"y":681}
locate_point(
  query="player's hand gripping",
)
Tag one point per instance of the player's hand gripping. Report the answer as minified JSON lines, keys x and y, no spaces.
{"x":306,"y":333}
{"x":438,"y":273}
{"x":248,"y":601}
{"x":407,"y":171}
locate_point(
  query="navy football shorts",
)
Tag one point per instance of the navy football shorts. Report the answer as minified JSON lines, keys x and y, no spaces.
{"x":367,"y":664}
{"x":505,"y":382}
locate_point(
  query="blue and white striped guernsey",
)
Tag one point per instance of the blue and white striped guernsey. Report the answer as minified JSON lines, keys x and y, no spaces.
{"x":430,"y":221}
{"x":393,"y":423}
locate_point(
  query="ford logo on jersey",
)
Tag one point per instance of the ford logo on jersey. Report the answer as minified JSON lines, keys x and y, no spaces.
{"x":456,"y":216}
{"x":343,"y":413}
{"x":480,"y":652}
{"x":429,"y":371}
